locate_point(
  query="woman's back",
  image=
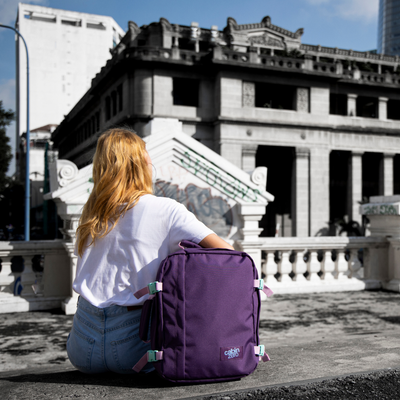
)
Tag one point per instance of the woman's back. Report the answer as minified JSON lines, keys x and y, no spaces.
{"x":127,"y":258}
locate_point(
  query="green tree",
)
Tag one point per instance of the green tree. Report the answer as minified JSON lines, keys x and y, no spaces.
{"x":6,"y":117}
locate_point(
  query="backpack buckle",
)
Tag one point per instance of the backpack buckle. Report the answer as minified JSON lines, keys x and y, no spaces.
{"x":261,"y":350}
{"x":154,"y":287}
{"x":151,"y":355}
{"x":260,"y":284}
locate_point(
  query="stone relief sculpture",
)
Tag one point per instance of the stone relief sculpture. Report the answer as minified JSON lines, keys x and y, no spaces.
{"x":249,"y":94}
{"x":214,"y":212}
{"x":302,"y":100}
{"x":266,"y":40}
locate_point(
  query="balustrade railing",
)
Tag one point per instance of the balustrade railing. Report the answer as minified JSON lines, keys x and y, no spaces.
{"x":373,"y":77}
{"x":324,"y":67}
{"x":313,"y":264}
{"x":36,"y":275}
{"x":33,"y":275}
{"x":282,"y":62}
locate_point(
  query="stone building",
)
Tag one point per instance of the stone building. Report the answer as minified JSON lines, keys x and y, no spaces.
{"x":324,"y":121}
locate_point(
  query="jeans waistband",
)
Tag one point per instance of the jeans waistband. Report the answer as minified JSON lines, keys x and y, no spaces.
{"x":106,"y":311}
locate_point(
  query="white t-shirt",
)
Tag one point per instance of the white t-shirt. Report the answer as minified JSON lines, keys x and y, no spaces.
{"x":128,"y":257}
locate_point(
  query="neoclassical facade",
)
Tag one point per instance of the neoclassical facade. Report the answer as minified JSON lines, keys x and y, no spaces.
{"x":324,"y":121}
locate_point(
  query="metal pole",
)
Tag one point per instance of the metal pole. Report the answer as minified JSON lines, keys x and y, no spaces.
{"x":28,"y":140}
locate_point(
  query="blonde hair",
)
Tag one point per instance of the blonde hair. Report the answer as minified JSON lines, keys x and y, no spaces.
{"x":121,"y":176}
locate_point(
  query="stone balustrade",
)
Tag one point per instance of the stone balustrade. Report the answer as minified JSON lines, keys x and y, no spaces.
{"x":373,"y":77}
{"x":310,"y":61}
{"x":295,"y":265}
{"x":281,"y":62}
{"x":325,"y":67}
{"x":34,"y":275}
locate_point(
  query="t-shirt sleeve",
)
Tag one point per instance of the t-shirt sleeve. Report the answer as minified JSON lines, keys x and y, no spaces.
{"x":185,"y":226}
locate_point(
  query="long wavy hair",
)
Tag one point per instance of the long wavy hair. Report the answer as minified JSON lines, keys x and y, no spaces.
{"x":121,"y":175}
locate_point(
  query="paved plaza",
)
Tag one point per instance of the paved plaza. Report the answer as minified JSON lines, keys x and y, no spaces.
{"x":309,"y":337}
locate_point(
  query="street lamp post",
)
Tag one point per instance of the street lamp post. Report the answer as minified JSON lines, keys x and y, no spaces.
{"x":28,"y":140}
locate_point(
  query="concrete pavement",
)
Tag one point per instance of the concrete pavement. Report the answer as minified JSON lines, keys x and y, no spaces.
{"x":308,"y":337}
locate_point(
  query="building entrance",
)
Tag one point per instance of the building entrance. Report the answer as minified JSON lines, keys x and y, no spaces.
{"x":372,"y":175}
{"x":339,"y":165}
{"x":279,"y":161}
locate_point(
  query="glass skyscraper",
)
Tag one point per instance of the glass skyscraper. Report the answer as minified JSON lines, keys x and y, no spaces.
{"x":389,"y":27}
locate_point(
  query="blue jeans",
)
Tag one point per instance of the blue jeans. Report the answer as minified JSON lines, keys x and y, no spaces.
{"x":106,"y":339}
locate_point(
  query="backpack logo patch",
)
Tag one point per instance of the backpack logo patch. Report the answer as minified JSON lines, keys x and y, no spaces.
{"x":231,"y":353}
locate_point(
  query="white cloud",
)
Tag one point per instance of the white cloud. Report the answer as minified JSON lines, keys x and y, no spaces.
{"x":358,"y":9}
{"x":8,"y":10}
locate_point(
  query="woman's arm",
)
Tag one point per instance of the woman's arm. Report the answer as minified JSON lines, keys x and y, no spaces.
{"x":214,"y":241}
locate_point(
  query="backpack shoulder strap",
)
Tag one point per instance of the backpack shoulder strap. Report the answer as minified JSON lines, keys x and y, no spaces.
{"x":145,"y":320}
{"x":186,"y":244}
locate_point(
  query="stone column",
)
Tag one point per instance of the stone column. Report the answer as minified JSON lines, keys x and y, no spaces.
{"x":143,"y":92}
{"x":253,"y":55}
{"x":251,"y":214}
{"x":354,"y":186}
{"x":351,"y":105}
{"x":382,"y":112}
{"x":301,"y":203}
{"x":386,"y":176}
{"x":308,"y":62}
{"x":319,"y":191}
{"x":69,"y":232}
{"x":249,"y":157}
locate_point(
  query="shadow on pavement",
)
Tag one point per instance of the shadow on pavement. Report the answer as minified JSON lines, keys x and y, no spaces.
{"x":140,"y":381}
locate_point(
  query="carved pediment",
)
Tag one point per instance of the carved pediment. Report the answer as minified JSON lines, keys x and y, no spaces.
{"x":262,"y":33}
{"x":266,"y":40}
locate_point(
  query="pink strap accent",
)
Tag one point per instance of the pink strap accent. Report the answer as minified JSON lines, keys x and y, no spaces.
{"x":263,"y":358}
{"x":267,"y":291}
{"x":140,"y":293}
{"x":159,"y":286}
{"x":144,"y":360}
{"x":140,"y":364}
{"x":265,"y":288}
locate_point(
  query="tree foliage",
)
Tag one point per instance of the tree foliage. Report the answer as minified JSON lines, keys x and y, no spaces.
{"x":6,"y":117}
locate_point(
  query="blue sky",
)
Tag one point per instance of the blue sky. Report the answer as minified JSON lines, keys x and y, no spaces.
{"x":348,"y":24}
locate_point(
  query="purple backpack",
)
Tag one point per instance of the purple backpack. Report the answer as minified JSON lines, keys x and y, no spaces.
{"x":205,"y":311}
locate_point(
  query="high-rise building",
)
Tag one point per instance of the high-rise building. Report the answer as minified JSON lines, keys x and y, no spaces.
{"x":66,"y":50}
{"x":389,"y":27}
